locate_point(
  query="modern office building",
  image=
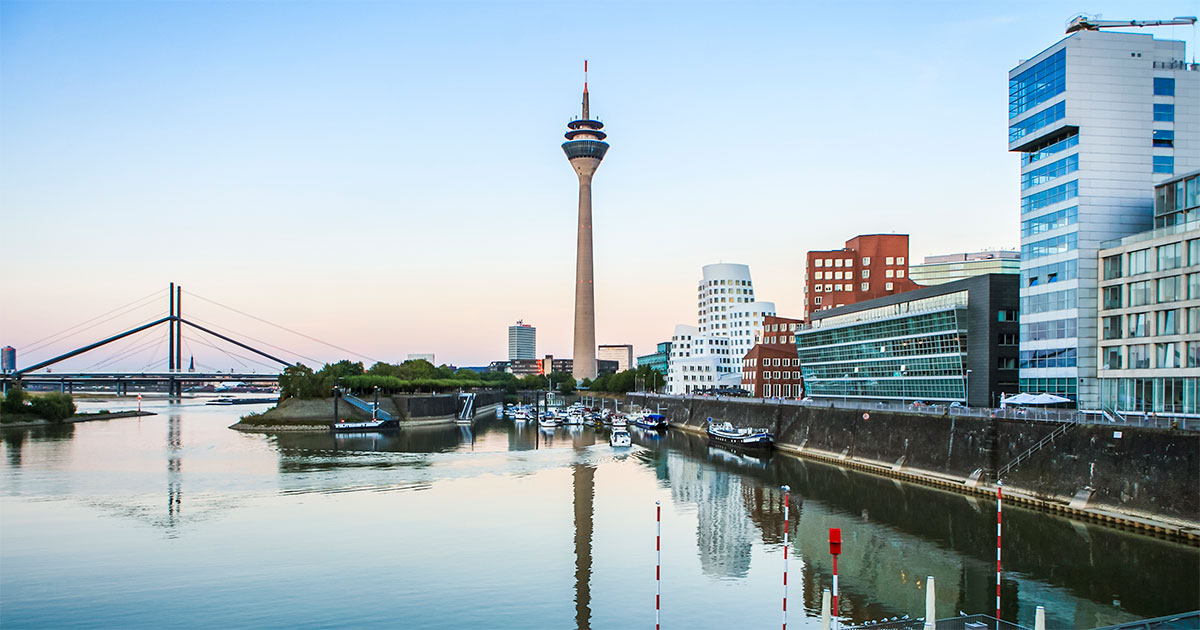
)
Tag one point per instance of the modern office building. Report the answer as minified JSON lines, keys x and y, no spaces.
{"x":585,"y":148}
{"x":869,"y":266}
{"x":522,"y":341}
{"x":603,"y":366}
{"x":1149,"y":328}
{"x":729,"y":324}
{"x":932,"y":344}
{"x":771,"y":368}
{"x":8,"y":359}
{"x":1098,"y":118}
{"x":622,"y":354}
{"x":951,"y":267}
{"x":659,"y":360}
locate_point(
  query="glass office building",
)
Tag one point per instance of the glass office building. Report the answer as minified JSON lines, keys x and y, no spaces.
{"x":1098,"y":118}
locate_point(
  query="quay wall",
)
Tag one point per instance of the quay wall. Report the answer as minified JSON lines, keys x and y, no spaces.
{"x":1145,"y":473}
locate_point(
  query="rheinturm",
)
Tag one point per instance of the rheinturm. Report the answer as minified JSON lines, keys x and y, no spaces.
{"x":585,"y":148}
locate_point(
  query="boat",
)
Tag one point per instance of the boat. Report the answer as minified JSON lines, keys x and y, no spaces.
{"x":548,"y":422}
{"x":652,"y":421}
{"x":369,"y":425}
{"x":229,"y":400}
{"x":618,"y":421}
{"x":575,"y":418}
{"x":725,"y":434}
{"x":619,"y":437}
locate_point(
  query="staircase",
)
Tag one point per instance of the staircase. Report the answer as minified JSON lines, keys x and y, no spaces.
{"x":466,"y":409}
{"x":1057,"y":432}
{"x":367,"y":407}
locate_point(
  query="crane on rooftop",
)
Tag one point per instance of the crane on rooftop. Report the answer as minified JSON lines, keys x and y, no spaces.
{"x":1084,"y":22}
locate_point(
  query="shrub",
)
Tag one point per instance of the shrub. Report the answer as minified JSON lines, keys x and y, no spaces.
{"x":54,"y":407}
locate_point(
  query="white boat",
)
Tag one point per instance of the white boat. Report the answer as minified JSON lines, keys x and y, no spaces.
{"x":548,"y":422}
{"x":726,"y":434}
{"x":618,"y":421}
{"x":619,"y":437}
{"x":575,"y":418}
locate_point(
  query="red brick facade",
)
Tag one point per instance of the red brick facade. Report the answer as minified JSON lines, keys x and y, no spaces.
{"x":868,"y":267}
{"x":770,"y":369}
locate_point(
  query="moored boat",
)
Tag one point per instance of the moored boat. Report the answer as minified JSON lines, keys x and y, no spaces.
{"x":652,"y":421}
{"x":726,"y":434}
{"x":369,"y":425}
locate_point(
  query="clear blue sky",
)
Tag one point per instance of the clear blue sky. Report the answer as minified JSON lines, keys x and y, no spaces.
{"x":387,"y":176}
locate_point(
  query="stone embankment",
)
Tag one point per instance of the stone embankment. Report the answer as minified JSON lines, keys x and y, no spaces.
{"x":1136,"y":477}
{"x":87,"y":417}
{"x":317,"y":414}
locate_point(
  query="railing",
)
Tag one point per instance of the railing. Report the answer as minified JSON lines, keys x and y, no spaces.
{"x":1178,"y":228}
{"x":367,"y":407}
{"x":1026,"y":414}
{"x":468,"y":408}
{"x":1057,"y":432}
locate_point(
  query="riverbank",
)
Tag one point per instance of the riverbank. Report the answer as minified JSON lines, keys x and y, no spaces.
{"x":317,"y":414}
{"x":1141,"y":480}
{"x":25,"y":423}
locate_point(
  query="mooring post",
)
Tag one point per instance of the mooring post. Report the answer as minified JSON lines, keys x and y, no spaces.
{"x":930,"y":604}
{"x":1039,"y":620}
{"x":825,"y":616}
{"x":999,"y":510}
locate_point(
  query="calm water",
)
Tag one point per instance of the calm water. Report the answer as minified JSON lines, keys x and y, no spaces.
{"x":175,"y":520}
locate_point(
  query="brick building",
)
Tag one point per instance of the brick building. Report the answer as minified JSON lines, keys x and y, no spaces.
{"x":869,"y":266}
{"x":770,"y":368}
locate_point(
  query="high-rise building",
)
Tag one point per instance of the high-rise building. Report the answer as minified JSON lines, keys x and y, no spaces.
{"x":585,"y":148}
{"x":522,"y":341}
{"x":950,"y":267}
{"x":1150,"y":309}
{"x":622,"y":354}
{"x":1098,"y":118}
{"x":8,"y":359}
{"x":729,"y":323}
{"x":868,"y":267}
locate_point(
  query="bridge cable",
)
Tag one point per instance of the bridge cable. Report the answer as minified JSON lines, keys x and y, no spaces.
{"x":27,"y":348}
{"x":235,"y":355}
{"x":131,"y":352}
{"x":235,"y":333}
{"x":357,"y":354}
{"x":129,"y":343}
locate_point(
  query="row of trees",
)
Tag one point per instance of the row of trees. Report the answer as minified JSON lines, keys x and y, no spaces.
{"x":53,"y":406}
{"x":643,"y":377}
{"x":417,"y":375}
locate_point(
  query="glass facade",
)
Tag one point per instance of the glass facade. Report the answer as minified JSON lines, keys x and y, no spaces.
{"x":914,"y":356}
{"x":1038,"y":84}
{"x":1050,"y":115}
{"x":1049,"y":247}
{"x":585,"y":149}
{"x":1051,"y":148}
{"x":1051,"y":221}
{"x":1165,"y":395}
{"x":1050,"y":196}
{"x":1050,"y":172}
{"x":1047,"y":274}
{"x":1046,"y":302}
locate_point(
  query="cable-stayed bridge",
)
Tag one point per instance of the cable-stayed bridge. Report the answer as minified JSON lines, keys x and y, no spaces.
{"x":254,"y":360}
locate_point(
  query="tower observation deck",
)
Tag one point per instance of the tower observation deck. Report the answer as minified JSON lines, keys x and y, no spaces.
{"x":585,"y":148}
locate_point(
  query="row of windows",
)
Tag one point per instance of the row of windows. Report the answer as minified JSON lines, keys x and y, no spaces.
{"x":1145,"y":395}
{"x":941,"y":344}
{"x":1161,"y":258}
{"x":1169,"y":322}
{"x":948,"y":388}
{"x":1061,"y":386}
{"x":1052,"y":221}
{"x":1054,"y":272}
{"x":1045,"y":80}
{"x":1184,"y":194}
{"x":1164,"y":164}
{"x":1049,"y":247}
{"x":1037,"y":121}
{"x":946,"y":365}
{"x":1049,"y":358}
{"x":921,"y":324}
{"x":1171,"y":354}
{"x":1048,"y":148}
{"x":1047,"y":302}
{"x":1163,"y":112}
{"x":1051,"y":171}
{"x":1160,"y":291}
{"x":1053,"y":329}
{"x":1050,"y":196}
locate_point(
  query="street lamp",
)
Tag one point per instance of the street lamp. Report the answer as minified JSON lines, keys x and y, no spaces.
{"x":967,"y":389}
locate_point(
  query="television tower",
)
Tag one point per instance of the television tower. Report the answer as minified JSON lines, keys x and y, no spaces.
{"x":585,"y":148}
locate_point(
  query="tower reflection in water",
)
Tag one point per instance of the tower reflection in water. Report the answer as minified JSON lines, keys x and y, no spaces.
{"x":584,"y":486}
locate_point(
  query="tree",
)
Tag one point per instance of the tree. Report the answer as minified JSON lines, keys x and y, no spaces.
{"x":15,"y":401}
{"x":567,"y":386}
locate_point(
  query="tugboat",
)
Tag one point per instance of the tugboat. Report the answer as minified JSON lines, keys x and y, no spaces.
{"x":726,"y":435}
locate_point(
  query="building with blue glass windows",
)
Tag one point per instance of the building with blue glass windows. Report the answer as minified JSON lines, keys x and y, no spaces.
{"x":1098,"y":119}
{"x":659,"y":360}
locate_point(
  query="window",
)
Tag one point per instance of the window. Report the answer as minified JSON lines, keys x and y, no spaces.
{"x":1164,"y":86}
{"x":1112,"y":358}
{"x":887,"y":286}
{"x":1051,"y":114}
{"x":1047,"y":302}
{"x":899,"y":273}
{"x":1006,"y":316}
{"x":1112,"y":297}
{"x":866,"y":261}
{"x":1170,"y":289}
{"x":900,"y":260}
{"x":1048,"y":358}
{"x":1170,"y":256}
{"x":1193,"y":247}
{"x":837,"y":263}
{"x":1049,"y":172}
{"x":828,"y":262}
{"x":1167,"y":323}
{"x":867,"y":272}
{"x":1167,"y":355}
{"x":1044,"y":150}
{"x":818,"y":262}
{"x":1193,"y":354}
{"x":1111,"y":327}
{"x":1139,"y":356}
{"x":817,"y":289}
{"x":1045,"y":80}
{"x":1048,"y":247}
{"x":1164,"y":164}
{"x":817,"y":300}
{"x":1163,"y":112}
{"x":1007,"y":339}
{"x":1140,"y":293}
{"x":1048,"y":222}
{"x":1006,"y":363}
{"x":888,"y":273}
{"x":1053,"y":329}
{"x":866,"y":286}
{"x":1193,"y":285}
{"x":1163,"y":138}
{"x":889,"y":261}
{"x":1112,"y":267}
{"x":1065,"y":270}
{"x":1050,"y":196}
{"x":1193,"y":319}
{"x":1140,"y":262}
{"x":849,"y":275}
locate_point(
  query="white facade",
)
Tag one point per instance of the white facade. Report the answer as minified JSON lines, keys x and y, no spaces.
{"x":729,"y":323}
{"x":622,"y":354}
{"x":522,"y":341}
{"x":1095,"y":131}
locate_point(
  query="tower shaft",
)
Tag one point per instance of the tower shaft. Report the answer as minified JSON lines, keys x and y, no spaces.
{"x":584,"y":352}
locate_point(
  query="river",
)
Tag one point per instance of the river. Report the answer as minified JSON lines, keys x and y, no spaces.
{"x":176,"y":520}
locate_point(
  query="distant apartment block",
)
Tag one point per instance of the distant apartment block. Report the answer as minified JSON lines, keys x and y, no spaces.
{"x":422,"y":357}
{"x":868,"y":267}
{"x":1149,"y":328}
{"x":659,"y":360}
{"x":622,"y":354}
{"x":522,"y":341}
{"x":1098,"y":119}
{"x":951,"y":267}
{"x":771,"y":368}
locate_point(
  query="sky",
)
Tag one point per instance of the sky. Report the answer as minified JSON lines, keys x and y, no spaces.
{"x":386,"y":177}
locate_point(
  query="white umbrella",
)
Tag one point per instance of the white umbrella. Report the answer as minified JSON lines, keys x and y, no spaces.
{"x":1018,"y":399}
{"x":1048,"y":399}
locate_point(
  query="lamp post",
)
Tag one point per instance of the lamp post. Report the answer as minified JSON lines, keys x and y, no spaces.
{"x":375,"y":407}
{"x":967,"y":389}
{"x":845,"y":389}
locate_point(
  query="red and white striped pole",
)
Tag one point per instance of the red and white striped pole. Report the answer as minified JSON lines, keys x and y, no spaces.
{"x":657,"y":563}
{"x":999,"y":510}
{"x":139,"y":404}
{"x":786,"y":497}
{"x":835,"y":549}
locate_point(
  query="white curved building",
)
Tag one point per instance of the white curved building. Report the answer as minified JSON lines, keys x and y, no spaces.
{"x":729,"y":323}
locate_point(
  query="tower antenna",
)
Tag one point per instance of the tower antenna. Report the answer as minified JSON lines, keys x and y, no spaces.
{"x":586,"y":115}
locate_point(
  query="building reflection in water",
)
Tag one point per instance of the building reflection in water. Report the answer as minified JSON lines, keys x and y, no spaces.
{"x":584,"y":486}
{"x":724,"y":534}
